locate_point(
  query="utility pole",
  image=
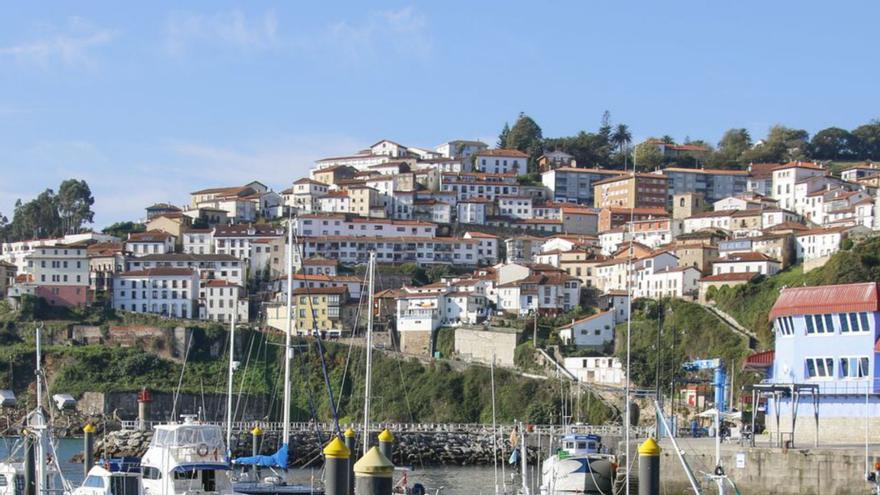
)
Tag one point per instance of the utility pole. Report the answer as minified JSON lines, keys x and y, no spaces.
{"x":659,"y":351}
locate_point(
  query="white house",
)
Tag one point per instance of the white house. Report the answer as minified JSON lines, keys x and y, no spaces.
{"x":679,"y":281}
{"x":601,"y":370}
{"x":501,"y":161}
{"x":519,"y":207}
{"x":473,"y":210}
{"x":219,"y":299}
{"x":595,"y":331}
{"x":818,"y":243}
{"x":163,"y":291}
{"x":785,"y":178}
{"x":746,"y":262}
{"x":198,"y":241}
{"x":151,"y":242}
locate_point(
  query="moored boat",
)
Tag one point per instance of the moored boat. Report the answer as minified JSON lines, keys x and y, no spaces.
{"x":579,"y":466}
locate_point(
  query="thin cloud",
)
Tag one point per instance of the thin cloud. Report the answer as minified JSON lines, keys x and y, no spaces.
{"x":233,"y":28}
{"x":71,"y":46}
{"x":403,"y":31}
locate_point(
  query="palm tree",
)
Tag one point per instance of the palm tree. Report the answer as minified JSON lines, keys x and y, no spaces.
{"x":621,"y":138}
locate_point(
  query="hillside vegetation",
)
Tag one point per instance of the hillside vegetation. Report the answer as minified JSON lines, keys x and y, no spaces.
{"x":403,"y":389}
{"x":750,"y":303}
{"x":687,"y":332}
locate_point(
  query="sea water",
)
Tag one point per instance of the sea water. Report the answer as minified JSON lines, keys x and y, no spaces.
{"x":450,"y":480}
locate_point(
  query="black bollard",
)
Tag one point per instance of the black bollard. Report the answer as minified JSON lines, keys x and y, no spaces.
{"x":386,"y":444}
{"x":649,"y":468}
{"x":88,"y":447}
{"x":373,"y":474}
{"x":350,"y":441}
{"x":336,"y":457}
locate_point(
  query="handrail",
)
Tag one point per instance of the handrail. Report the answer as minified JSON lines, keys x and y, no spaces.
{"x":274,"y":426}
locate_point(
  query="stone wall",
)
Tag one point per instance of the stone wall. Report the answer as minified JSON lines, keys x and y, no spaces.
{"x":832,"y":430}
{"x":479,"y":344}
{"x":415,"y":342}
{"x":761,"y":470}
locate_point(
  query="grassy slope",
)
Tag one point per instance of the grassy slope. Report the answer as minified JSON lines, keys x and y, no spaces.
{"x":750,"y":304}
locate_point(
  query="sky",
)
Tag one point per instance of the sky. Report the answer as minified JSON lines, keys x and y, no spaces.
{"x":148,"y":101}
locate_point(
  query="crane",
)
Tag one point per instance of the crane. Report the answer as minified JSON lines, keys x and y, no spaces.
{"x":719,"y":381}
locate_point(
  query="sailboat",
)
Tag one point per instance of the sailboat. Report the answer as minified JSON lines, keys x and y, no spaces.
{"x":39,"y":432}
{"x":275,"y":484}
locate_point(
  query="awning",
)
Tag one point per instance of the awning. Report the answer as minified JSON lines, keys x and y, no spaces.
{"x":276,"y":460}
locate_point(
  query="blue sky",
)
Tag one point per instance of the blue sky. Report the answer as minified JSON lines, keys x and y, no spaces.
{"x":151,"y":101}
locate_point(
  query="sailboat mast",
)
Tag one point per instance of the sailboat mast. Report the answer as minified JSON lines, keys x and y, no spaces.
{"x":229,"y":385}
{"x":371,"y":269}
{"x":285,"y":438}
{"x":494,"y":430}
{"x":39,"y":424}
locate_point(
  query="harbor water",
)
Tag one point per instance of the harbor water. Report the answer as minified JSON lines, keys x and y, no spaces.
{"x":452,"y":480}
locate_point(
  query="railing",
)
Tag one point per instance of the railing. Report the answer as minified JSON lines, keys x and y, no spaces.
{"x":277,"y":426}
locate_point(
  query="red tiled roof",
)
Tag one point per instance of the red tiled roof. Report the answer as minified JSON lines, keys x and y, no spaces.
{"x":305,"y":291}
{"x":826,"y":299}
{"x":730,"y":277}
{"x":503,"y":152}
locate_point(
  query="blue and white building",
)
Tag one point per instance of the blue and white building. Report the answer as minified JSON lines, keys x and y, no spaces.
{"x":826,"y":336}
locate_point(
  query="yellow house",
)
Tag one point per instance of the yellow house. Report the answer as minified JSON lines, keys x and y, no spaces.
{"x":320,"y":309}
{"x":171,"y":223}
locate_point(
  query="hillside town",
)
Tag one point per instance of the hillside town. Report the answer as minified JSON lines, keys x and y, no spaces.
{"x":579,"y":240}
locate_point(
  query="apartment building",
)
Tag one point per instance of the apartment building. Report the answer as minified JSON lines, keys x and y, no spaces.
{"x":60,"y":274}
{"x":171,"y":292}
{"x":501,"y":161}
{"x":631,"y":191}
{"x":715,"y":184}
{"x":575,"y":185}
{"x":210,"y":266}
{"x":150,"y":242}
{"x":423,"y":251}
{"x":219,"y":300}
{"x":345,"y":225}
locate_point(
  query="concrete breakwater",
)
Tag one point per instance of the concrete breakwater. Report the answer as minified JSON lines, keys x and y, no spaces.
{"x":411,"y":448}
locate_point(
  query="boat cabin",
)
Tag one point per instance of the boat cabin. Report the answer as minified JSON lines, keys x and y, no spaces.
{"x":187,"y":457}
{"x":579,"y":444}
{"x":11,"y":479}
{"x":112,"y":479}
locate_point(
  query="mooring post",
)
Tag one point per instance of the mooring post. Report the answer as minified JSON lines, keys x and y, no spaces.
{"x":649,"y":468}
{"x":350,"y":441}
{"x":30,"y":466}
{"x":336,"y":456}
{"x":256,"y":433}
{"x":88,"y":447}
{"x":373,"y":474}
{"x":386,"y":444}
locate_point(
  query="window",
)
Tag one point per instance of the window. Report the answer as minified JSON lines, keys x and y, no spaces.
{"x":819,"y":368}
{"x":94,"y":482}
{"x":854,"y":367}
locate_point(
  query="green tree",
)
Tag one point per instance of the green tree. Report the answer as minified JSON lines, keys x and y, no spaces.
{"x":526,"y":136}
{"x":730,"y":150}
{"x":36,"y":218}
{"x":621,"y":137}
{"x":605,"y":130}
{"x":75,"y":202}
{"x":122,"y":229}
{"x":868,"y":140}
{"x":782,"y":144}
{"x":648,"y":156}
{"x":502,"y":136}
{"x":834,"y":143}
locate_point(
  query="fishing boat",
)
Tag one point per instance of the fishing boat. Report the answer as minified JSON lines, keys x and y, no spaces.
{"x":578,"y":466}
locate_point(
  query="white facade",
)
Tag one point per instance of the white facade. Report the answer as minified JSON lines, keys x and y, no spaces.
{"x":198,"y":241}
{"x":594,"y":331}
{"x":338,"y":225}
{"x":784,"y":180}
{"x":219,"y":300}
{"x":515,"y":206}
{"x":163,"y":291}
{"x":604,"y":370}
{"x":677,"y":282}
{"x":502,"y":162}
{"x":472,"y":212}
{"x":146,"y":243}
{"x":210,"y":266}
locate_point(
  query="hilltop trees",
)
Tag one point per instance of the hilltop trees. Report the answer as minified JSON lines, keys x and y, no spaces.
{"x":51,"y":214}
{"x":525,"y":136}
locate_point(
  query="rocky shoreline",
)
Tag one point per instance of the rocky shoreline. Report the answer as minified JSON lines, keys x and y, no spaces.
{"x":410,"y":449}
